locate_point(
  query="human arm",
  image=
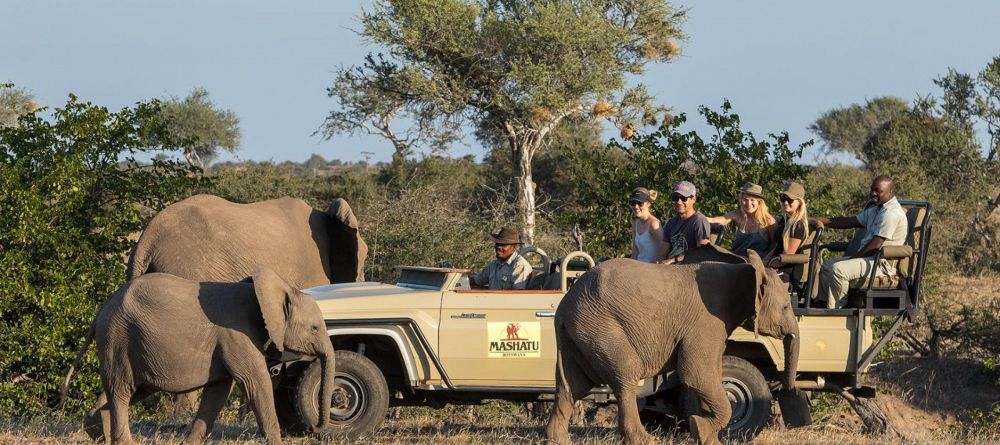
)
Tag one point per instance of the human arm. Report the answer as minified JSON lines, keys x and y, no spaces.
{"x":481,"y":279}
{"x":869,"y":249}
{"x":725,"y":219}
{"x":840,"y":222}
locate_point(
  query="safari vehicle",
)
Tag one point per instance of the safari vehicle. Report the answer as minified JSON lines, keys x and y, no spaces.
{"x":431,"y":340}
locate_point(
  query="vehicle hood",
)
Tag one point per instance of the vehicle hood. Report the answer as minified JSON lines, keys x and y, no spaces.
{"x":355,"y":290}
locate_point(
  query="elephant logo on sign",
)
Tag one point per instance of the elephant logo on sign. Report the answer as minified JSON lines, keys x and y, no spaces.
{"x":513,"y":331}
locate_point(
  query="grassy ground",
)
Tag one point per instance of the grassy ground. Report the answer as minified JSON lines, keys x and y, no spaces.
{"x":927,"y":401}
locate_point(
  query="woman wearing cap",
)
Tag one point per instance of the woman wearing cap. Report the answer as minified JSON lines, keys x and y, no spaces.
{"x":792,"y":227}
{"x":750,"y":218}
{"x":647,"y":234}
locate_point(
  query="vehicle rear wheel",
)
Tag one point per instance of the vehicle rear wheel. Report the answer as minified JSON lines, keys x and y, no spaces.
{"x":749,"y":397}
{"x":359,"y":405}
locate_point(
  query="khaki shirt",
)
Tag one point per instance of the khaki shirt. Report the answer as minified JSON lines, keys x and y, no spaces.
{"x":504,"y":275}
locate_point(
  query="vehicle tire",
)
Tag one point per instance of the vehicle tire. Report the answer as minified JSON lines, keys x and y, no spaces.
{"x":749,"y":397}
{"x":367,"y":396}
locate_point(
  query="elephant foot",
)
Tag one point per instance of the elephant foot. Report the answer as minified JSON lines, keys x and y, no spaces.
{"x":639,"y":438}
{"x":554,"y":435}
{"x":703,"y":431}
{"x":94,"y":427}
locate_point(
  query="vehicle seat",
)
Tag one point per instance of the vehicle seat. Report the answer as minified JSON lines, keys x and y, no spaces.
{"x":536,"y":281}
{"x":891,"y":292}
{"x":805,"y":263}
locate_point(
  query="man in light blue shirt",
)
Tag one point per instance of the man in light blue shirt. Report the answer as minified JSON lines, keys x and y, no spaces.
{"x":883,"y":224}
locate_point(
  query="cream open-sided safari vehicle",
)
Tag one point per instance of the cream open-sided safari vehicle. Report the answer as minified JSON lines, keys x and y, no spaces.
{"x":431,"y":340}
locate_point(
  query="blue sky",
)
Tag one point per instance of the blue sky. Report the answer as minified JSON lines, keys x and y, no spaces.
{"x":780,"y":62}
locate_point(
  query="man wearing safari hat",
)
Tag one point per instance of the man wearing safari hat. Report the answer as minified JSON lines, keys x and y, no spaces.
{"x":509,"y":270}
{"x":688,"y":228}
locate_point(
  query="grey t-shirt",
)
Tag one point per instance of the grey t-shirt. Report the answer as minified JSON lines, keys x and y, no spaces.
{"x":684,"y":234}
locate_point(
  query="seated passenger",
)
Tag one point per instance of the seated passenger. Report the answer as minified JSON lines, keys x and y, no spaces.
{"x":509,"y":270}
{"x":688,"y":228}
{"x":883,"y":224}
{"x":648,"y":245}
{"x":749,"y":219}
{"x":791,"y":228}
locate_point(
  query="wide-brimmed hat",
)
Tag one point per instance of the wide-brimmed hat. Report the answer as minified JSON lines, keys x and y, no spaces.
{"x":794,"y":190}
{"x":753,"y":190}
{"x":685,"y":189}
{"x":506,"y":235}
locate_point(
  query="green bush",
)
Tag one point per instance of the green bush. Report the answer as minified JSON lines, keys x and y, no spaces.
{"x":717,"y":166}
{"x":70,"y":196}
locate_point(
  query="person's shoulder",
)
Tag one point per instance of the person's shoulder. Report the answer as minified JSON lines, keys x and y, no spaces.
{"x":523,"y":262}
{"x":700,"y":218}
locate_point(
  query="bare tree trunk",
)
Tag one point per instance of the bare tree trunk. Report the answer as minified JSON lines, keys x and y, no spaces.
{"x":523,"y":151}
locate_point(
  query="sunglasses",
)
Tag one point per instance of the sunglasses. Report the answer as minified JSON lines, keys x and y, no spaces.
{"x":679,"y":198}
{"x":786,"y":199}
{"x":636,"y":203}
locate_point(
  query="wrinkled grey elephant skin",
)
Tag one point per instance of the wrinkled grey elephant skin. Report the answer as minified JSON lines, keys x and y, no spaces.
{"x":164,"y":333}
{"x":206,"y":238}
{"x":624,"y":321}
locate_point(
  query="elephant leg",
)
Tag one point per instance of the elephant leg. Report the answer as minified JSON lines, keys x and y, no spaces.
{"x":572,"y":385}
{"x":629,"y":424}
{"x":97,"y":424}
{"x":705,"y":382}
{"x":213,"y":398}
{"x":184,"y":404}
{"x":119,"y":401}
{"x":251,"y":375}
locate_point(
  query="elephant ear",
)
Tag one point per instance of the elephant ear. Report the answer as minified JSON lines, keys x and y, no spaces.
{"x":348,"y":250}
{"x":760,"y":272}
{"x":274,"y":297}
{"x":710,"y":253}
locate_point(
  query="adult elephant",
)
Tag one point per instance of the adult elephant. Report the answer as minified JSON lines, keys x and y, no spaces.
{"x":624,"y":321}
{"x":207,"y":238}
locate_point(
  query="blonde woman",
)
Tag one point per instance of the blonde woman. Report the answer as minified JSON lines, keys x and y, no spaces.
{"x":647,"y":233}
{"x":792,"y":227}
{"x":749,"y":219}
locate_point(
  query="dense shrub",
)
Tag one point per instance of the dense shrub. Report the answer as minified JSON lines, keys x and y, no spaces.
{"x":67,"y":207}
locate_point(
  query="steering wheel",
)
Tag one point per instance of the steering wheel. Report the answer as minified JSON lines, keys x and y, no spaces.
{"x":544,"y":257}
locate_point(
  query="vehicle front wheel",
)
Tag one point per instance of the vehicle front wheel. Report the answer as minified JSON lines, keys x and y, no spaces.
{"x":359,"y":404}
{"x":749,"y":397}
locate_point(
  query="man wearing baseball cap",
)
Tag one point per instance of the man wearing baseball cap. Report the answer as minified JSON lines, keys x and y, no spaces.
{"x":688,"y":228}
{"x":509,"y":270}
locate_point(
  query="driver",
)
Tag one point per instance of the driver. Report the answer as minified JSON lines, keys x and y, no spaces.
{"x":509,"y":270}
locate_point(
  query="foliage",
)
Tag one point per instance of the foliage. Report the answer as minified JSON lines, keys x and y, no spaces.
{"x":68,"y":208}
{"x":717,"y":166}
{"x":514,"y":68}
{"x":846,"y":129}
{"x":201,"y":127}
{"x":14,"y":102}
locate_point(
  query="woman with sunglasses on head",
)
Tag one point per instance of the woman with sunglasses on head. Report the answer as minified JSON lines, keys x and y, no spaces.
{"x":751,"y":217}
{"x":792,"y":227}
{"x":647,"y":237}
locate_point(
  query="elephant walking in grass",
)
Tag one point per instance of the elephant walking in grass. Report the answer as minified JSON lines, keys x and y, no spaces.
{"x":207,"y":238}
{"x":624,"y":321}
{"x":160,"y":332}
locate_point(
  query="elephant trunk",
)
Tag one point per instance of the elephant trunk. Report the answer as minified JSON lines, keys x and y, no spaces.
{"x":791,"y":343}
{"x":327,"y":386}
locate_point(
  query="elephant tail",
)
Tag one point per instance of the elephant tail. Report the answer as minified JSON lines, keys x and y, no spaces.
{"x":76,"y":362}
{"x":562,"y":384}
{"x":137,"y":262}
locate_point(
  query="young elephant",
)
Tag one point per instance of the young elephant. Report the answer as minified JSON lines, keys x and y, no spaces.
{"x":164,"y":333}
{"x":624,"y":321}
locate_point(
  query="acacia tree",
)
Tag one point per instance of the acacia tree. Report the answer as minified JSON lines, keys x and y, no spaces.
{"x":846,"y":129}
{"x":512,"y":67}
{"x":201,"y":127}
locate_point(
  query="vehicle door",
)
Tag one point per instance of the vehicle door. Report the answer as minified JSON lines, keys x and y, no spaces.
{"x":503,"y":338}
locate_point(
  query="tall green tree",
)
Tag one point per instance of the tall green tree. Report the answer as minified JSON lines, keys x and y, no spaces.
{"x":71,"y":193}
{"x":846,"y":129}
{"x":14,"y":102}
{"x":203,"y":128}
{"x":514,"y":67}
